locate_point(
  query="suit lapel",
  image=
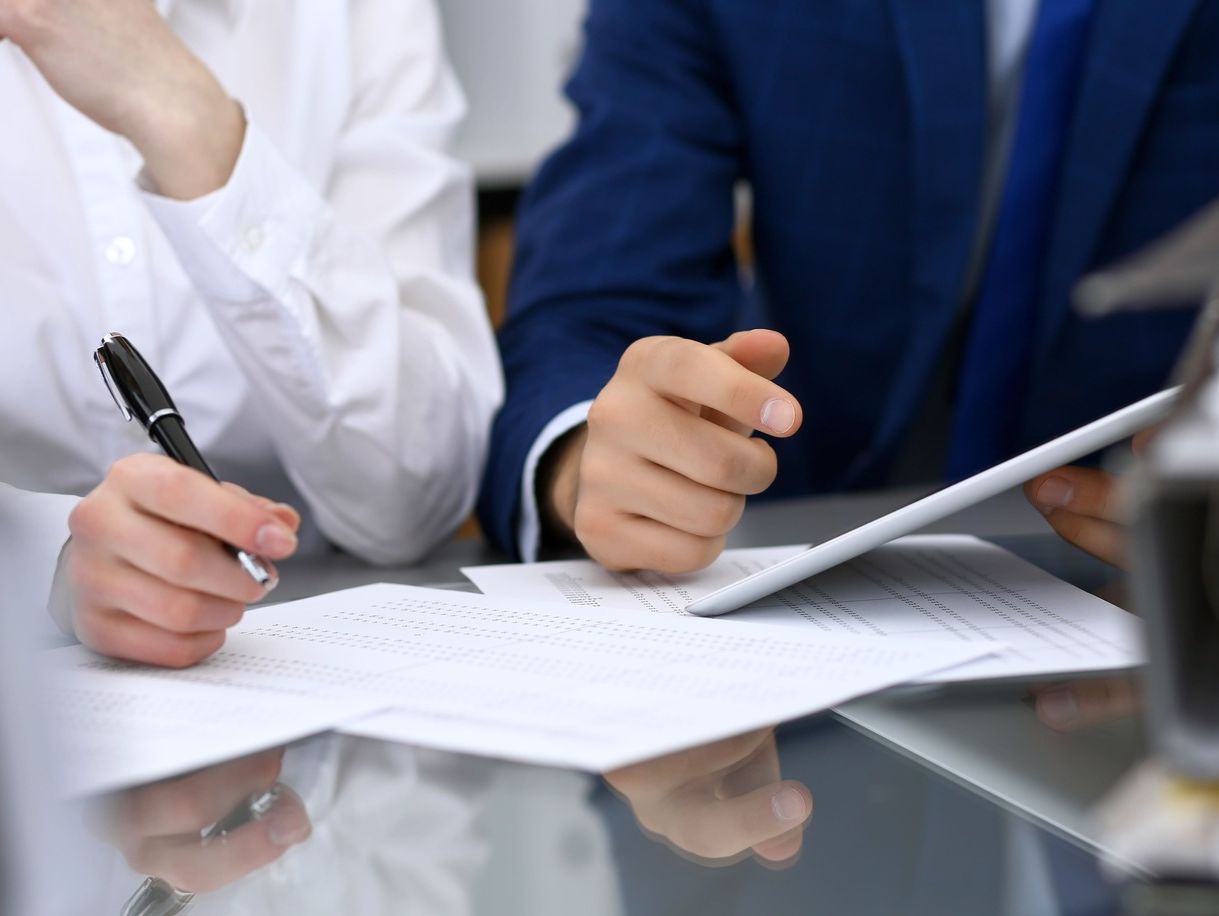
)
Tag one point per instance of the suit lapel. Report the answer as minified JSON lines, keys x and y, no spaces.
{"x":1131,"y":46}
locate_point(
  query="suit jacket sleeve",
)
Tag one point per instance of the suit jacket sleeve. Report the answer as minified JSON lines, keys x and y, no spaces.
{"x":626,"y":231}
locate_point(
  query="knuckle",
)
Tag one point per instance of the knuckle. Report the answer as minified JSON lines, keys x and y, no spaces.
{"x":687,"y":554}
{"x":596,"y":469}
{"x":642,"y":352}
{"x":134,"y":469}
{"x":87,"y":518}
{"x":763,"y":466}
{"x":161,"y":484}
{"x":182,"y":653}
{"x":739,"y":395}
{"x":183,"y":612}
{"x":677,"y":355}
{"x":726,"y":467}
{"x":720,"y":513}
{"x":231,"y":612}
{"x":91,"y":630}
{"x":179,"y":560}
{"x":592,"y":523}
{"x":238,"y":523}
{"x":707,"y":551}
{"x":604,"y":410}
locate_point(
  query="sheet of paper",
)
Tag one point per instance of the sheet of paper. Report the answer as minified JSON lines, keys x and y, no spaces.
{"x":121,"y":725}
{"x":550,"y":684}
{"x":946,"y":586}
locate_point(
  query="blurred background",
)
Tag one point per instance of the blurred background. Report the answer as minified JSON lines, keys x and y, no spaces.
{"x":513,"y":57}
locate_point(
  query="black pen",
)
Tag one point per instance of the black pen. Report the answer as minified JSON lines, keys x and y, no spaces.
{"x":140,"y":395}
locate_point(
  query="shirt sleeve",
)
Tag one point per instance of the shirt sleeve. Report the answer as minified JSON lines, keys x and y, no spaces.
{"x":353,"y":313}
{"x":33,"y":531}
{"x":529,"y":526}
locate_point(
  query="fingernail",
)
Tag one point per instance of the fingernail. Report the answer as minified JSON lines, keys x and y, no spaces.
{"x":275,"y":540}
{"x":1059,"y":706}
{"x":1055,"y":493}
{"x":288,"y":825}
{"x":789,"y":805}
{"x":778,"y":415}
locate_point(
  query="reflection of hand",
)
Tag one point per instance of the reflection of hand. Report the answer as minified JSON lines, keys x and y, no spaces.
{"x":1078,"y":705}
{"x":121,"y":66}
{"x":158,"y":828}
{"x":150,"y":580}
{"x":719,"y":802}
{"x":659,"y":475}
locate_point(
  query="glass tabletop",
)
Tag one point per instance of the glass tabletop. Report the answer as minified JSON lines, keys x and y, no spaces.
{"x":921,"y":800}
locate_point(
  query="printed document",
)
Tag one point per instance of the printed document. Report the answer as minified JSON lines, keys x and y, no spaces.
{"x":945,"y":586}
{"x":540,"y":683}
{"x":120,"y":725}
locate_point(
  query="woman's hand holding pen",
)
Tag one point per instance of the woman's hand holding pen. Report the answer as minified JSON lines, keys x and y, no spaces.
{"x":149,"y":577}
{"x":120,"y":65}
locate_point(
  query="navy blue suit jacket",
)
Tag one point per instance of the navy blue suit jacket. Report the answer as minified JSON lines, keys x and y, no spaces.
{"x":860,"y":125}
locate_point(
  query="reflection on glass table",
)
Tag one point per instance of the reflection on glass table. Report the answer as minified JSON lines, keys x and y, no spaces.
{"x":349,"y":826}
{"x":203,"y":831}
{"x":370,"y":828}
{"x":720,"y":803}
{"x":947,"y":801}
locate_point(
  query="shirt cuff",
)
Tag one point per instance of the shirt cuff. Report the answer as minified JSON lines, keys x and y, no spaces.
{"x":529,"y":526}
{"x":243,"y":242}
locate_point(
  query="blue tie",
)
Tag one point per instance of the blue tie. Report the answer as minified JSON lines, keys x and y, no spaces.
{"x":999,"y":347}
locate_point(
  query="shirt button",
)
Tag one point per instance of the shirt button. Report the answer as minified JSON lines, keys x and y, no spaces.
{"x":253,"y":238}
{"x":121,"y":251}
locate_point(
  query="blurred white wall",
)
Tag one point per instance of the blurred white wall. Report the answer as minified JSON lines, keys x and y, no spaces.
{"x":513,"y":57}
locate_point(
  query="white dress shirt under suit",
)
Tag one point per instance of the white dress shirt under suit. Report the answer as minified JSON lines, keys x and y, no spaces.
{"x":316,"y":319}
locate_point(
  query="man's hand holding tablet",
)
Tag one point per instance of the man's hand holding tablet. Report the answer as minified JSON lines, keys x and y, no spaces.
{"x":660,"y":473}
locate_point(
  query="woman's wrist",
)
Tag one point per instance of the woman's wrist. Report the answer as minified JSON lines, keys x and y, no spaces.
{"x":190,"y":135}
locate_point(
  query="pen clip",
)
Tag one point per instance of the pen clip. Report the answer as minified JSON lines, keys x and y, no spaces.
{"x":99,"y":357}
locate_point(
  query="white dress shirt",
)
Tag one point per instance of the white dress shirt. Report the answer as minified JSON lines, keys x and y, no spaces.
{"x":316,"y":319}
{"x":1009,"y":28}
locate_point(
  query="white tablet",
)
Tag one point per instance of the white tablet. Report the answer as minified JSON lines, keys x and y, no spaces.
{"x":908,"y":519}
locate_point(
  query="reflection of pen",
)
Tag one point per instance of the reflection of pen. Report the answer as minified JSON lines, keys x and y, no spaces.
{"x":157,"y":897}
{"x":139,"y":394}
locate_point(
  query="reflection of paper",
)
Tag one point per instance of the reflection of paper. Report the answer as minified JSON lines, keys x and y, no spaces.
{"x":550,"y":684}
{"x":121,"y":725}
{"x":942,"y":586}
